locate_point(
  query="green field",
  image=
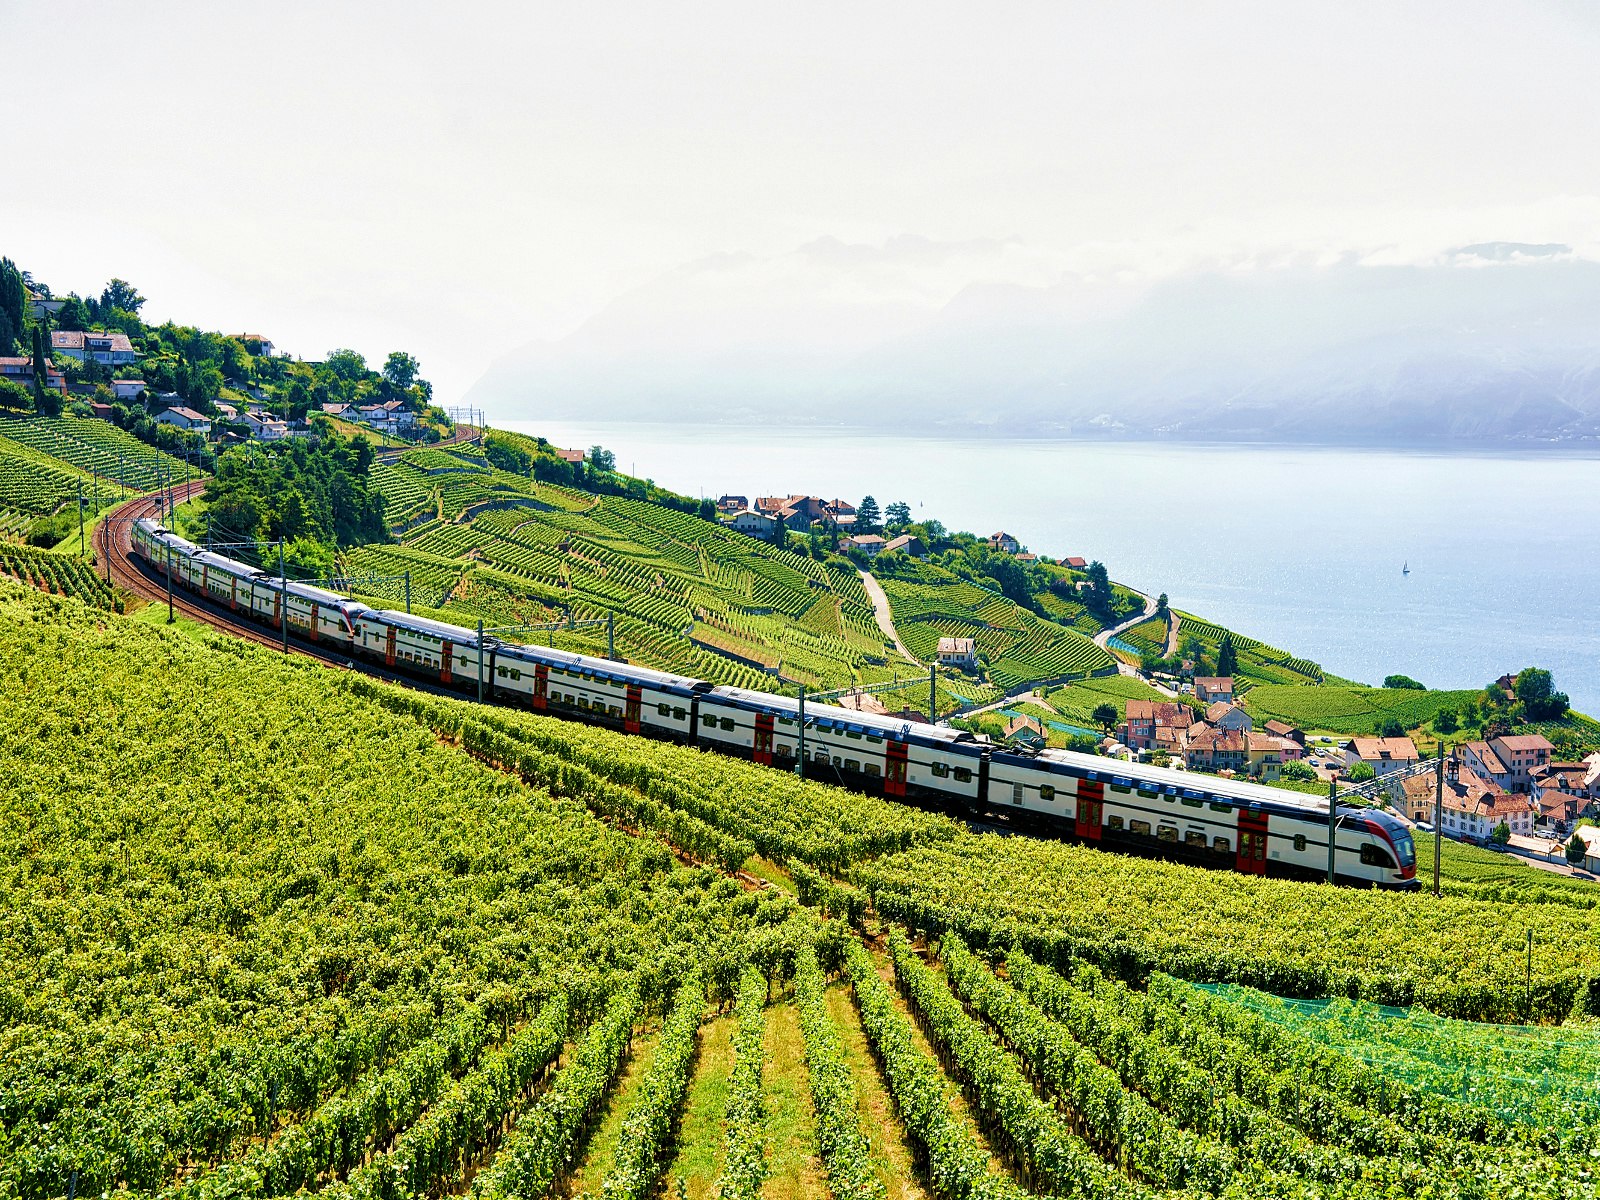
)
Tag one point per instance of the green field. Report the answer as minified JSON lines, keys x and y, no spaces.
{"x":1259,"y":663}
{"x":96,"y":447}
{"x":1350,"y":710}
{"x":366,"y":943}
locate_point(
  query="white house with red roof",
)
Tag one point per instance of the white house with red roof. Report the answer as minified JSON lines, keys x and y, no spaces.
{"x":1381,"y":754}
{"x":184,"y":418}
{"x":110,"y":349}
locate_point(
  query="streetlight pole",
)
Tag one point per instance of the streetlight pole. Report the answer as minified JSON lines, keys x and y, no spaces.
{"x":171,"y":616}
{"x":1333,"y":825}
{"x":283,"y":598}
{"x":800,"y":760}
{"x":480,"y":660}
{"x":933,"y":696}
{"x":1438,"y":816}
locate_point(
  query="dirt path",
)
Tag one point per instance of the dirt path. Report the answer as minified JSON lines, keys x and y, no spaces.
{"x":881,"y":614}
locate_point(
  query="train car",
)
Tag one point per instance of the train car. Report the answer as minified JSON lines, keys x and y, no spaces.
{"x":635,"y":699}
{"x":434,"y":650}
{"x":1234,"y":824}
{"x":859,"y":749}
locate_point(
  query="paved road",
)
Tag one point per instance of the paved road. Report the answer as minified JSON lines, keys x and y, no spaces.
{"x":1105,"y":635}
{"x":881,"y":613}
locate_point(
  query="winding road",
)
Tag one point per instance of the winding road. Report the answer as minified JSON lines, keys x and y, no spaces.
{"x":881,"y":613}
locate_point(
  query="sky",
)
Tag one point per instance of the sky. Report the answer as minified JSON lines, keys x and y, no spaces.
{"x":456,"y":180}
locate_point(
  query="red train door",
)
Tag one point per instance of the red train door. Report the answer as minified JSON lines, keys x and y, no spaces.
{"x":388,"y":648}
{"x":316,"y":619}
{"x":541,"y":686}
{"x":762,"y":751}
{"x":635,"y":706}
{"x":1252,"y":857}
{"x":233,"y":595}
{"x":445,"y":664}
{"x":896,"y":756}
{"x":1091,"y":810}
{"x":205,"y":579}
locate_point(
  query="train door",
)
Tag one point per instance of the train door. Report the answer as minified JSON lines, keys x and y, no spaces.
{"x":446,"y":665}
{"x":316,"y":620}
{"x":762,"y":752}
{"x":388,"y":648}
{"x":205,"y":579}
{"x":632,"y":711}
{"x":1252,"y":855}
{"x":541,"y":686}
{"x":1091,"y":810}
{"x":896,"y":759}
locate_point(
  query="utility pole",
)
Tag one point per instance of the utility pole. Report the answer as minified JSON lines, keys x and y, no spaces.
{"x":1438,"y":816}
{"x":480,"y":660}
{"x":1528,"y":979}
{"x":171,"y":616}
{"x":81,"y":547}
{"x":611,"y":636}
{"x":283,"y":598}
{"x":408,"y":591}
{"x":1333,"y":825}
{"x":933,"y":696}
{"x":800,"y":760}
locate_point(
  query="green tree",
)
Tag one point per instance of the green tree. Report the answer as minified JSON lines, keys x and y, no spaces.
{"x":602,"y":459}
{"x":401,"y":369}
{"x":15,"y":396}
{"x":707,"y":509}
{"x":897,"y":515}
{"x":1100,"y":596}
{"x":1500,"y":835}
{"x":1536,"y":691}
{"x":868,"y":518}
{"x":1161,"y":605}
{"x":1361,"y":773}
{"x":507,"y":455}
{"x":119,"y":293}
{"x":13,"y":306}
{"x":1105,"y":716}
{"x":307,"y":558}
{"x":1577,"y":848}
{"x":1301,"y":772}
{"x":74,"y":313}
{"x":46,"y":399}
{"x":1403,"y":681}
{"x":1446,"y":721}
{"x":1390,"y":727}
{"x":349,"y":365}
{"x":1227,"y":656}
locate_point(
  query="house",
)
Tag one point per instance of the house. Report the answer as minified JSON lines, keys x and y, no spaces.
{"x":959,"y":652}
{"x":1509,"y":761}
{"x":1282,"y":729}
{"x":1591,"y":854}
{"x":729,"y":505}
{"x":332,"y":410}
{"x":39,"y":306}
{"x":398,"y":414}
{"x":1147,"y":719}
{"x":1263,"y":755}
{"x":256,"y":344}
{"x":1075,"y":564}
{"x":127,"y":389}
{"x":1210,"y":690}
{"x":227,"y":412}
{"x":910,"y":546}
{"x":756,"y":524}
{"x":1381,"y":754}
{"x":1559,"y":789}
{"x":1229,"y":716}
{"x":184,"y":418}
{"x":264,"y":425}
{"x":371,"y":414}
{"x":111,"y":349}
{"x":1004,"y":543}
{"x":101,"y":412}
{"x":870,"y":543}
{"x":1208,"y":749}
{"x":571,"y":456}
{"x":1027,"y":732}
{"x":20,"y":372}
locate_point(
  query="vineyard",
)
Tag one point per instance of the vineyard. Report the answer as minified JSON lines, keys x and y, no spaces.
{"x":1259,"y":663}
{"x":33,"y":484}
{"x":1348,"y":709}
{"x":685,"y":594}
{"x":272,"y":929}
{"x":56,"y":573}
{"x":95,"y":447}
{"x":1016,"y":646}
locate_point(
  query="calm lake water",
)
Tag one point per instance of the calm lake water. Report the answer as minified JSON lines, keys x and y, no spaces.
{"x":1301,"y":548}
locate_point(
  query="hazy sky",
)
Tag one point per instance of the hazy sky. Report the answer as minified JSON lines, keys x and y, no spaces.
{"x":458,"y":178}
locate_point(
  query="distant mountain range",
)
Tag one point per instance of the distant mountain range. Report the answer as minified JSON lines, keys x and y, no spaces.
{"x":1497,"y":343}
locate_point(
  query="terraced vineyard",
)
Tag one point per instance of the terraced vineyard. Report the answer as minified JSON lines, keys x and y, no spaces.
{"x":33,"y":484}
{"x":1349,"y":709}
{"x":1258,"y":662}
{"x":685,"y":594}
{"x":96,"y":447}
{"x":366,"y":943}
{"x":1016,"y":646}
{"x":56,"y":574}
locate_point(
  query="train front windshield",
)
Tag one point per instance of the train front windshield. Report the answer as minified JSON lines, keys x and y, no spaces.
{"x":1406,"y":848}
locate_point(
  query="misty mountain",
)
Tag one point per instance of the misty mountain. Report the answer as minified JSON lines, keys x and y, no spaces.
{"x":1496,"y":342}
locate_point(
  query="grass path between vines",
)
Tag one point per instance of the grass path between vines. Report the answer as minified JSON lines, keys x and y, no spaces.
{"x":796,"y":1171}
{"x":958,"y":1102}
{"x":702,"y":1132}
{"x":891,"y":1156}
{"x":601,"y":1153}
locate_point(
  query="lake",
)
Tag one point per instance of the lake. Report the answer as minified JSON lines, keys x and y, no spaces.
{"x":1300,"y":547}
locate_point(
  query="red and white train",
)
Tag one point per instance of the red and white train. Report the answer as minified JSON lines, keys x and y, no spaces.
{"x":1202,"y":819}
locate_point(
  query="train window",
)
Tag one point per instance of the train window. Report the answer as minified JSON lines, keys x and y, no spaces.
{"x":709,"y":721}
{"x":1016,"y":793}
{"x":1047,"y":791}
{"x":516,"y":674}
{"x":1117,"y":787}
{"x":785,"y":751}
{"x":1149,"y":793}
{"x":678,"y":714}
{"x":1195,"y":837}
{"x":872,"y":768}
{"x":1167,"y":833}
{"x":875,"y":738}
{"x":853,"y":733}
{"x":837,"y":761}
{"x":1222,"y":845}
{"x":941,"y":769}
{"x":1375,"y":856}
{"x":1140,"y":827}
{"x":616,"y":710}
{"x":785,"y":720}
{"x":1194,"y":803}
{"x":1217,"y":806}
{"x":851,"y":764}
{"x":1114,"y":822}
{"x":1299,"y":841}
{"x":820,"y":756}
{"x":664,"y":710}
{"x":963,"y":775}
{"x":727,"y":723}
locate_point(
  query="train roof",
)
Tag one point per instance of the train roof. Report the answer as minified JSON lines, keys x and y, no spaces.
{"x":601,"y":666}
{"x":847,"y":718}
{"x":1175,"y":782}
{"x":440,"y":629}
{"x":166,"y":536}
{"x":222,"y":562}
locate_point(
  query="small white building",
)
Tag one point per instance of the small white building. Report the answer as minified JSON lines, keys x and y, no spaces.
{"x":1212,"y":689}
{"x":869,"y":543}
{"x":127,"y":389}
{"x":1004,"y":543}
{"x":1229,"y":716}
{"x":110,"y":349}
{"x":756,"y":524}
{"x":959,"y":652}
{"x":265,"y":426}
{"x":184,"y":418}
{"x":1381,"y":754}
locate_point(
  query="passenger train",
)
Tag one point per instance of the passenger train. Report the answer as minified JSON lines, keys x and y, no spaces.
{"x":1207,"y":820}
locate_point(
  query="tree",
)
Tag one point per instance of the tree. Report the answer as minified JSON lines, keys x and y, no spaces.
{"x":1500,"y":835}
{"x":1390,"y":727}
{"x":1161,"y":605}
{"x":13,"y":305}
{"x":1100,"y":596}
{"x":15,"y":396}
{"x":46,"y":400}
{"x":507,"y":455}
{"x":1105,"y":716}
{"x":1227,"y":656}
{"x":1361,"y":773}
{"x":1403,"y":681}
{"x":401,"y":369}
{"x":897,"y":515}
{"x":602,"y":459}
{"x":121,"y":294}
{"x":1577,"y":849}
{"x":349,"y":365}
{"x":1535,"y":688}
{"x":1446,"y":721}
{"x":1300,"y":771}
{"x":74,"y":314}
{"x":868,"y":518}
{"x":708,"y":509}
